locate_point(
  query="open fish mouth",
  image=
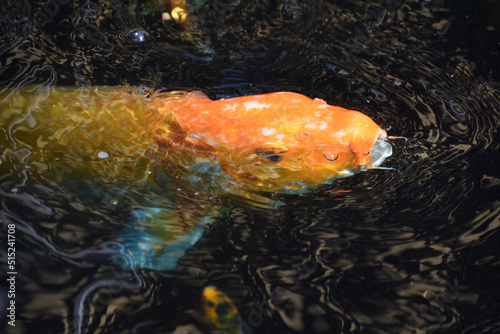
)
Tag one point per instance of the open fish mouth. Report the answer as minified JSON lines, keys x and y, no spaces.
{"x":381,"y":150}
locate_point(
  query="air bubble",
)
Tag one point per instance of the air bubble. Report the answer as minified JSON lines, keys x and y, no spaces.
{"x":103,"y":155}
{"x":138,"y":36}
{"x":457,"y":109}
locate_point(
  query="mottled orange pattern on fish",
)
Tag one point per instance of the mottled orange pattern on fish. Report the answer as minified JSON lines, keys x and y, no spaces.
{"x":271,"y":141}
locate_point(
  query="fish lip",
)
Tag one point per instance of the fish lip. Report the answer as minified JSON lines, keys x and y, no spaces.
{"x":381,"y":150}
{"x":382,"y":135}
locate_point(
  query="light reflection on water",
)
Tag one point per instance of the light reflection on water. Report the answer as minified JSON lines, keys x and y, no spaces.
{"x":405,"y":250}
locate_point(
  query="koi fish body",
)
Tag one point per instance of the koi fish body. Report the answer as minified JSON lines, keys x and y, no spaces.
{"x":234,"y":147}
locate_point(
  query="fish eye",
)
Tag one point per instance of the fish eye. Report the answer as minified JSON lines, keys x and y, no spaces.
{"x":331,"y":156}
{"x":178,"y":93}
{"x":367,"y":153}
{"x":272,"y":156}
{"x":273,"y":152}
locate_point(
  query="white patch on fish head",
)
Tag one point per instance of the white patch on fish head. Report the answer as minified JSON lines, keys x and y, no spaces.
{"x":342,"y":137}
{"x":255,"y":105}
{"x":268,"y":131}
{"x":231,"y":107}
{"x":322,"y":125}
{"x":220,"y":138}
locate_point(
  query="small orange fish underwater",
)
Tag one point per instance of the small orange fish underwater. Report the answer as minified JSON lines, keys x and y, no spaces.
{"x":194,"y":152}
{"x":220,"y":311}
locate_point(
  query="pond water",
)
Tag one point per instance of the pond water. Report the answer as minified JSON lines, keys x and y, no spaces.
{"x":409,"y":250}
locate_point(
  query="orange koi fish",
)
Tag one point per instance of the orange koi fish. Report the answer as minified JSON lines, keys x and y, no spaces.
{"x":187,"y":147}
{"x":220,"y":311}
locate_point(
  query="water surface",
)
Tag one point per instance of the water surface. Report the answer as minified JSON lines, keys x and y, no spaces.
{"x":408,"y":250}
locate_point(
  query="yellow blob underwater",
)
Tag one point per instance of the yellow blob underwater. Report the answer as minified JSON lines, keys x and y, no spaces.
{"x":219,"y":310}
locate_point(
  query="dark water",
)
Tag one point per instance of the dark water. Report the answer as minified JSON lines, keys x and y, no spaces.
{"x":410,"y":250}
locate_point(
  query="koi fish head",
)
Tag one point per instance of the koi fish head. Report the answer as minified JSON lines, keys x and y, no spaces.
{"x":280,"y":140}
